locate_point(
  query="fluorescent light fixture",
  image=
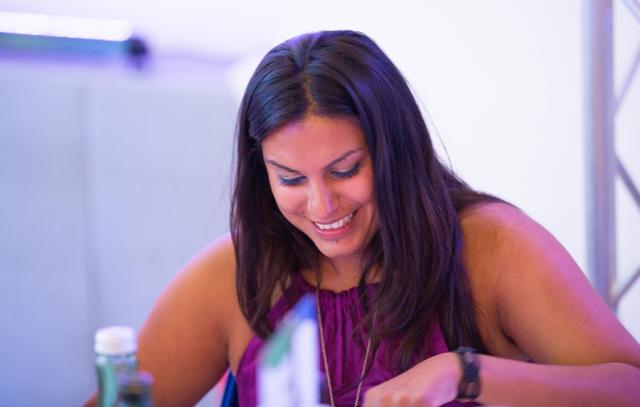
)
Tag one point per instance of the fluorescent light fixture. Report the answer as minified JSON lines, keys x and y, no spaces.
{"x":65,"y":26}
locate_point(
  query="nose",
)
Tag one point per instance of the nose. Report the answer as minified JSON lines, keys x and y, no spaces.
{"x":322,"y":201}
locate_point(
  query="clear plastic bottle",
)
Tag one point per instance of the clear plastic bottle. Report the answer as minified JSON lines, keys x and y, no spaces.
{"x":135,"y":390}
{"x":115,"y":348}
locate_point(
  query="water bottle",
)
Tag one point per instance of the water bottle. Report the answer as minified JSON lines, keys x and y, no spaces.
{"x":115,"y":348}
{"x":135,"y":390}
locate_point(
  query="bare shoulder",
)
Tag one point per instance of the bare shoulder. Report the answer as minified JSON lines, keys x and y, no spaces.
{"x":489,"y":241}
{"x":184,"y":341}
{"x":537,"y":296}
{"x":486,"y":233}
{"x":215,"y":263}
{"x":207,"y":281}
{"x":487,"y":219}
{"x":219,"y":252}
{"x":499,"y":235}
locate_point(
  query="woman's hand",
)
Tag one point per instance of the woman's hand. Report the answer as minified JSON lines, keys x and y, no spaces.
{"x":432,"y":382}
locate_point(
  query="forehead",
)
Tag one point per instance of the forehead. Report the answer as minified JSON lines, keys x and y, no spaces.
{"x":314,"y":138}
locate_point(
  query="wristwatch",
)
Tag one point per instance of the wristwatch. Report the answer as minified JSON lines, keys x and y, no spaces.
{"x":469,"y":387}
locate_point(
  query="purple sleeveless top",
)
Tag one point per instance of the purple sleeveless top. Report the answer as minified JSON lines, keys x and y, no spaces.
{"x":345,"y":352}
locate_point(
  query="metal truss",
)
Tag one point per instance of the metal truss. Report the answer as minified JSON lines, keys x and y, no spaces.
{"x":603,"y":164}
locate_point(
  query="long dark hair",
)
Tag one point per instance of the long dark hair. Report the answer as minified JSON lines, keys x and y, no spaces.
{"x":417,"y":249}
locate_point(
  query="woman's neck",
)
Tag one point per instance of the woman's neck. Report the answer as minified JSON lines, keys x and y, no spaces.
{"x":336,"y":274}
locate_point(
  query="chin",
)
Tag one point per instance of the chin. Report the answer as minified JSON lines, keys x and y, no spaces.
{"x":333,"y":250}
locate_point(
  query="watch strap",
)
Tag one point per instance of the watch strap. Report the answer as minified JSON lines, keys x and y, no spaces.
{"x":469,"y":386}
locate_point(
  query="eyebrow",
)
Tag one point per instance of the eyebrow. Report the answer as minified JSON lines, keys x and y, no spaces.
{"x":334,"y":162}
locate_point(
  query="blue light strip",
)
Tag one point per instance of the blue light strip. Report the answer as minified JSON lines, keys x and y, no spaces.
{"x":49,"y":35}
{"x":65,"y":26}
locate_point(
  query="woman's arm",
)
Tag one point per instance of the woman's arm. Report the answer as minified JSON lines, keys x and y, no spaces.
{"x":548,"y":308}
{"x":533,"y":300}
{"x":183,"y":342}
{"x":516,"y":383}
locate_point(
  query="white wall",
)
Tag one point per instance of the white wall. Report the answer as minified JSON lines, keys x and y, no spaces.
{"x":501,"y":80}
{"x":110,"y":181}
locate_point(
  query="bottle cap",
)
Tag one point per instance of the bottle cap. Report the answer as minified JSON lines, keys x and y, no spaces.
{"x":115,"y":340}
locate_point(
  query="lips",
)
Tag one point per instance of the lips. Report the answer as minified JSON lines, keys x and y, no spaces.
{"x":335,"y":225}
{"x":336,"y":229}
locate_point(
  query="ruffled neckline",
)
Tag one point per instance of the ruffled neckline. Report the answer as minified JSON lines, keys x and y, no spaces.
{"x":305,"y":286}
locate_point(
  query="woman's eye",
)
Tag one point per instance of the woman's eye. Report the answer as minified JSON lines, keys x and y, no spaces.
{"x":290,"y":182}
{"x":347,"y":174}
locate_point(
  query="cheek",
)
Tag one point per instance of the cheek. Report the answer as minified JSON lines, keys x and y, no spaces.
{"x":360,"y":191}
{"x":288,"y":201}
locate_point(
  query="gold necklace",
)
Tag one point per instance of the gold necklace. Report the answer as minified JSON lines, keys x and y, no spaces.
{"x":324,"y":356}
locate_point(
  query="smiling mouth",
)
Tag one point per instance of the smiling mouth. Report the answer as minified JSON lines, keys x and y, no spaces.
{"x":335,"y":225}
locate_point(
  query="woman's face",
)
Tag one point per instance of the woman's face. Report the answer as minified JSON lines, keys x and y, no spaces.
{"x":321,"y":176}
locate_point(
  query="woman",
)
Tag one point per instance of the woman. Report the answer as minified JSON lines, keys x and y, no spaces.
{"x":339,"y":193}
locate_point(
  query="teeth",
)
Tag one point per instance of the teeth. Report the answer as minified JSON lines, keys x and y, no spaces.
{"x":335,"y":225}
